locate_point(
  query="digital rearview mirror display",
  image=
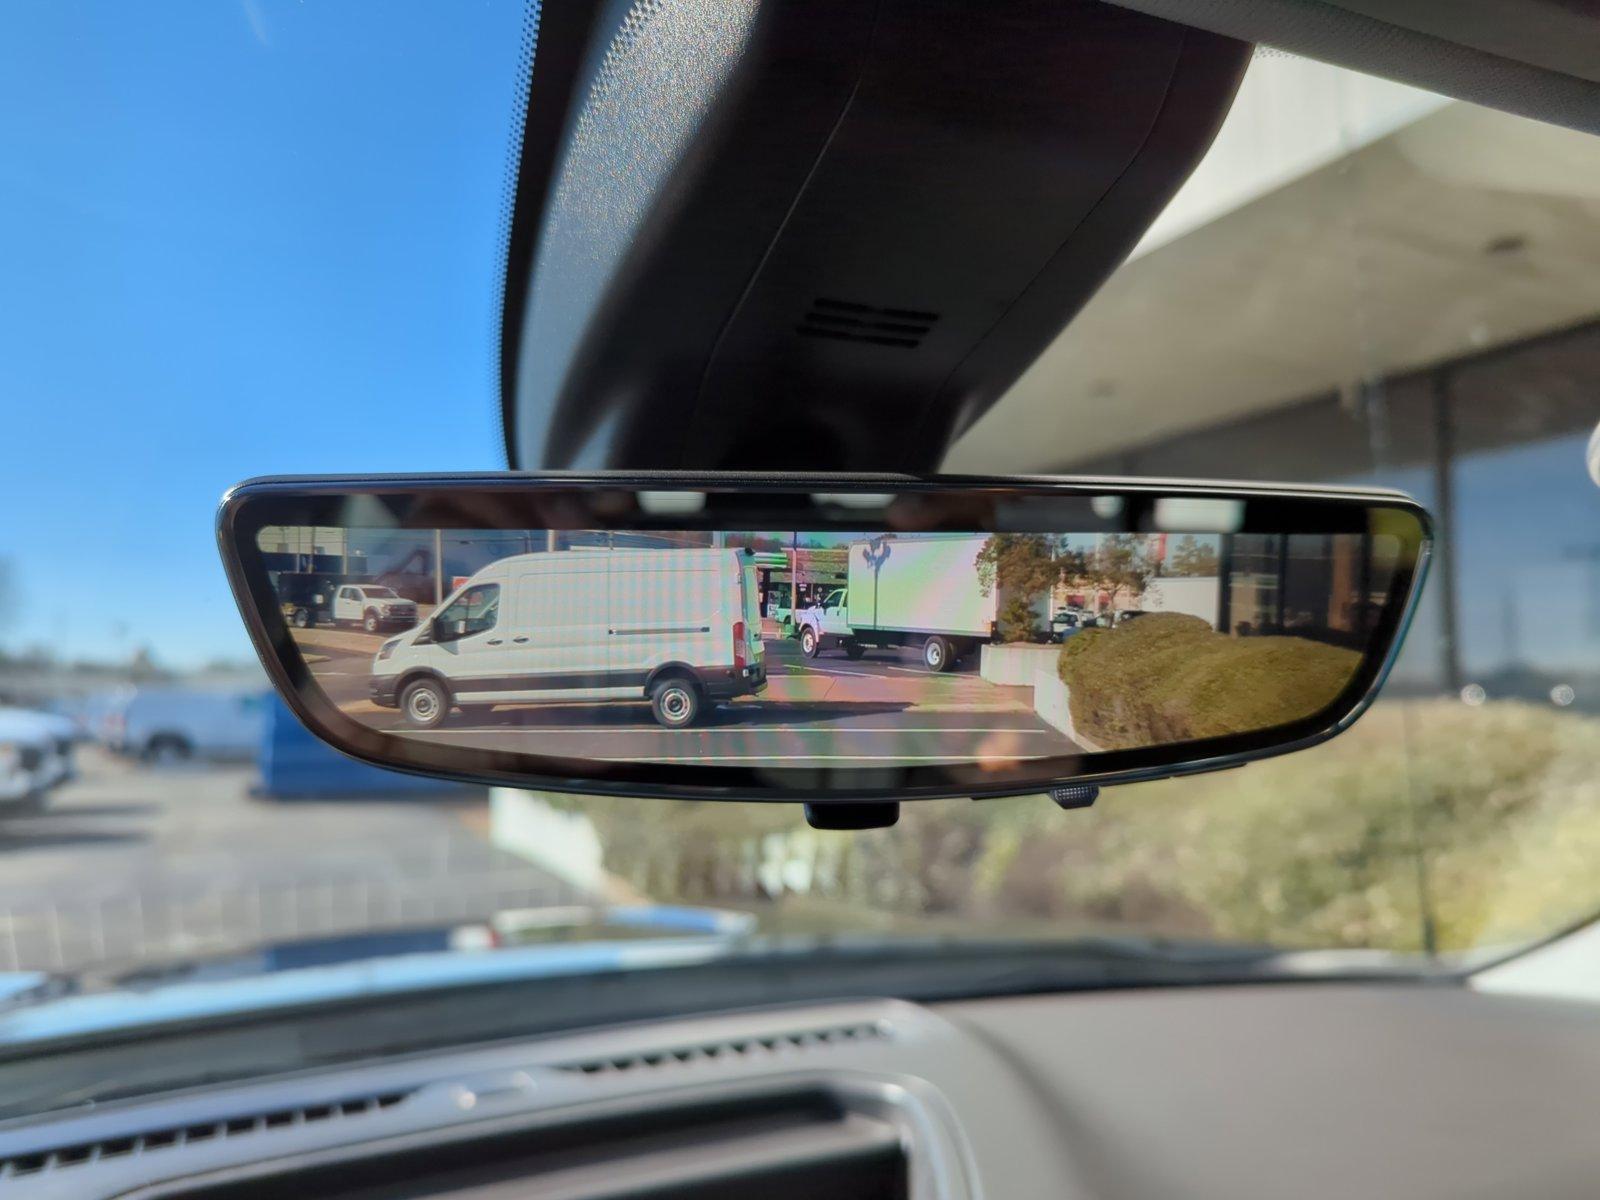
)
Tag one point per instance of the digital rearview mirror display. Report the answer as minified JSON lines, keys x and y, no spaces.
{"x":989,"y":639}
{"x":742,"y":638}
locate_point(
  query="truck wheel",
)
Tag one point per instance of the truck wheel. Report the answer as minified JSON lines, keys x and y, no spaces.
{"x":302,"y":618}
{"x":854,"y":650}
{"x":810,"y":643}
{"x":424,"y":703}
{"x":370,"y":622}
{"x":936,"y":654}
{"x":675,"y":703}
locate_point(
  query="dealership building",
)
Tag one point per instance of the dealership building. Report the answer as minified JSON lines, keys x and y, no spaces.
{"x":1366,"y":284}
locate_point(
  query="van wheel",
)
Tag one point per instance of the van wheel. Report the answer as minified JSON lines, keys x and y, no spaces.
{"x":854,"y":650}
{"x":936,"y":654}
{"x":675,"y":703}
{"x":810,"y":643}
{"x":424,"y":704}
{"x":301,"y":618}
{"x":166,"y":749}
{"x":370,"y":622}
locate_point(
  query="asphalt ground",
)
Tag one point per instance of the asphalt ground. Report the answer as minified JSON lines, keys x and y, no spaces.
{"x":132,"y":863}
{"x":832,"y":710}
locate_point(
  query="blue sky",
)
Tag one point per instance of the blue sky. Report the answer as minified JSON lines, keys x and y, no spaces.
{"x":260,"y":236}
{"x":239,"y":239}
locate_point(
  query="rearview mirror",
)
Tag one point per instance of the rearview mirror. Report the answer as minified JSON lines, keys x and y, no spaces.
{"x":995,"y":636}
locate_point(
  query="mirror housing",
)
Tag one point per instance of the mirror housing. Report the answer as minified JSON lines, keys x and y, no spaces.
{"x":1216,"y":624}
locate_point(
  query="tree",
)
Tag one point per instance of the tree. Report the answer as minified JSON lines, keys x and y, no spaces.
{"x":1022,"y":567}
{"x":756,"y":541}
{"x":1192,"y":557}
{"x":1119,"y":562}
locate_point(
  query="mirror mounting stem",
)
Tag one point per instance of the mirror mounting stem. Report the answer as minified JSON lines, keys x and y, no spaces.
{"x":852,"y":815}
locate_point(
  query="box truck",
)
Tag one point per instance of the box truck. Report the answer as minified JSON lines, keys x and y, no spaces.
{"x":918,"y":592}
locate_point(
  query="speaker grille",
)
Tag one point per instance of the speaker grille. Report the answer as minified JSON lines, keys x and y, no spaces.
{"x":851,"y":321}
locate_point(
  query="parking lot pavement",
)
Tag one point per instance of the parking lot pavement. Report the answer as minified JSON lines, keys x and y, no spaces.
{"x":132,"y":863}
{"x":822,"y":711}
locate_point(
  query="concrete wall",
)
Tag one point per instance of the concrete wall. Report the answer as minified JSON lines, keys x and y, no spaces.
{"x":1051,"y":703}
{"x":1016,"y":665}
{"x":564,"y":844}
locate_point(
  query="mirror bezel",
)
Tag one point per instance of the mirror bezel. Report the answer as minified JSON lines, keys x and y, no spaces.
{"x":468,"y":500}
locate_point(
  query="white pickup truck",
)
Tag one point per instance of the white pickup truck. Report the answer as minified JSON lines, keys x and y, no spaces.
{"x":373,"y":607}
{"x":36,"y":754}
{"x":921,"y":592}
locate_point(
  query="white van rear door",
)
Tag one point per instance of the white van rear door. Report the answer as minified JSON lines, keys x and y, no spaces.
{"x":750,"y":590}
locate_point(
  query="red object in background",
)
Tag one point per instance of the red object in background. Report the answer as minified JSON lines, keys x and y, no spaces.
{"x":457,"y":580}
{"x":1158,"y":548}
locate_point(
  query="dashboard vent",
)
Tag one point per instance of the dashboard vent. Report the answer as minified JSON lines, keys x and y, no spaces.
{"x":35,"y":1162}
{"x":731,"y":1049}
{"x":847,"y":321}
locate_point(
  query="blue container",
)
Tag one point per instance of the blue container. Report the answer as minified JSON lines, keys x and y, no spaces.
{"x":295,"y":764}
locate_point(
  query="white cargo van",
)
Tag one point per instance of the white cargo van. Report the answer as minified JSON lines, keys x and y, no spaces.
{"x":172,"y":723}
{"x":680,"y":628}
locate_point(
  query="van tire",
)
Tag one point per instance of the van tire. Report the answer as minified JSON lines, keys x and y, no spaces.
{"x":302,"y":618}
{"x":936,"y":654}
{"x":424,"y":703}
{"x":675,"y":702}
{"x":370,"y":621}
{"x":168,"y":748}
{"x":31,"y":805}
{"x":810,"y":642}
{"x":854,"y":650}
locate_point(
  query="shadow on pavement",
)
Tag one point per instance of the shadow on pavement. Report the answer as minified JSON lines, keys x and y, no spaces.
{"x":48,"y":832}
{"x":637,"y":718}
{"x":810,"y":712}
{"x":130,"y":809}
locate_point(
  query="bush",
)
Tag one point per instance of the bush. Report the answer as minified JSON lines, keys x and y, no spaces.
{"x":1169,"y":677}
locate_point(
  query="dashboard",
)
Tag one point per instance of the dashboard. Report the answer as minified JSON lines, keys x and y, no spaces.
{"x":1309,"y":1090}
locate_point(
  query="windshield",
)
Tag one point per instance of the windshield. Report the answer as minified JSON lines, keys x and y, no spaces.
{"x":268,"y":238}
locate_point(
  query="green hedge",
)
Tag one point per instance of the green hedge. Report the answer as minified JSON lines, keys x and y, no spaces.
{"x":1169,"y":677}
